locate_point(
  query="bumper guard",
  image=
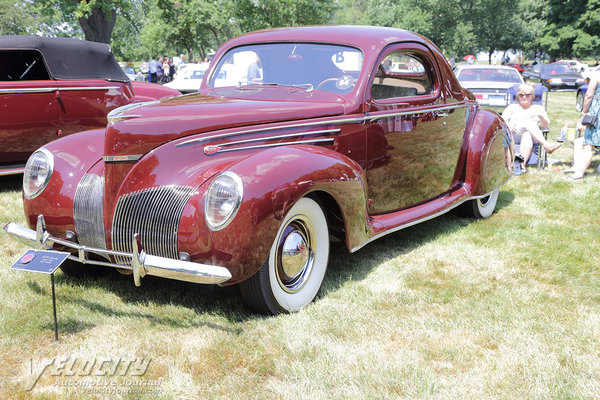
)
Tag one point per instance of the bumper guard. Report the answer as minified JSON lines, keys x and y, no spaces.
{"x":142,"y":264}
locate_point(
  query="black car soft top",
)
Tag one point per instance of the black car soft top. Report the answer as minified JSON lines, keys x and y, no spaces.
{"x":68,"y":58}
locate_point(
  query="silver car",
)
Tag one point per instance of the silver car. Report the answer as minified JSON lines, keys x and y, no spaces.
{"x":489,"y":83}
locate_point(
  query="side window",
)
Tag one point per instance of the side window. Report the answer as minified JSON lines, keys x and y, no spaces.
{"x":401,"y":75}
{"x":22,"y":65}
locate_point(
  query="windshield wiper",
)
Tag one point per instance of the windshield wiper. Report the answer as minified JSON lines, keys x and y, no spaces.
{"x":27,"y":70}
{"x":306,"y":86}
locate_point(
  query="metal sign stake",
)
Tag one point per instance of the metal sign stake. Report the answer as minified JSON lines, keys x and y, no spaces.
{"x":54,"y":308}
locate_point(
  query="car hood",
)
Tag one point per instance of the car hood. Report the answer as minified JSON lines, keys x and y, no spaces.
{"x":135,"y":131}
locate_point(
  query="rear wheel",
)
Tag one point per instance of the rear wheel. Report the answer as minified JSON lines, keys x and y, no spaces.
{"x":482,"y":207}
{"x":294,"y":271}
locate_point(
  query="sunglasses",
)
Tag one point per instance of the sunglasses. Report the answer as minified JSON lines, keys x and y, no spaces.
{"x":525,"y":94}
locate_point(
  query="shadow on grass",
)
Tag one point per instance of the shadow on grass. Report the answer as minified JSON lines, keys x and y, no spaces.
{"x":226,"y":302}
{"x":200,"y":299}
{"x":344,"y":267}
{"x":11,"y":183}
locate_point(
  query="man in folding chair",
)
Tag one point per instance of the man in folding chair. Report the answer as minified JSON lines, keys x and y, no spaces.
{"x":526,"y":121}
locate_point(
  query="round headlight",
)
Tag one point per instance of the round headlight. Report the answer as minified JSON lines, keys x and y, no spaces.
{"x":38,"y":171}
{"x":223,"y":199}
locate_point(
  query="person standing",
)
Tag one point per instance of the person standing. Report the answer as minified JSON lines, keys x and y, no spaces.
{"x":153,"y":67}
{"x":583,"y":152}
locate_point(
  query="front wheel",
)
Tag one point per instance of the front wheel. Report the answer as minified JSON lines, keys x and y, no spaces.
{"x":294,"y":271}
{"x":482,"y":207}
{"x":579,"y":101}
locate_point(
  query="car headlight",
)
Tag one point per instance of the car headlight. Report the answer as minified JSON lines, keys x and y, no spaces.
{"x":38,"y":171}
{"x":223,"y":199}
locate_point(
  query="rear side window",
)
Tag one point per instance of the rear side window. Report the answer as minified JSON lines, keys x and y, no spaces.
{"x":401,"y":75}
{"x":22,"y":65}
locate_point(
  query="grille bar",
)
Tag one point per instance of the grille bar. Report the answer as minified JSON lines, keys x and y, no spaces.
{"x":88,"y":211}
{"x":154,"y":214}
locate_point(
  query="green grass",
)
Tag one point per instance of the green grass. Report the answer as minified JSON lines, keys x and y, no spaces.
{"x":507,"y":307}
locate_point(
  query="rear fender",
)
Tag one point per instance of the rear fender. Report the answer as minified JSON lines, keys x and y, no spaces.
{"x":144,"y":91}
{"x":490,"y":155}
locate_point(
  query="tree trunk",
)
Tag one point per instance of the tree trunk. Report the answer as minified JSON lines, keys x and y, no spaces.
{"x":98,"y":26}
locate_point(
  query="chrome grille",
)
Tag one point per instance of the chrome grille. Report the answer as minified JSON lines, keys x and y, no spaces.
{"x":154,"y":214}
{"x":88,"y":211}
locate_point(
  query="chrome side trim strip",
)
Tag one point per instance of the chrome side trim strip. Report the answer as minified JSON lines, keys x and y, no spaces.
{"x":424,"y":219}
{"x":12,"y":171}
{"x":261,"y":146}
{"x":271,"y":128}
{"x":120,"y":159}
{"x":78,"y":88}
{"x":54,"y":89}
{"x":350,"y":120}
{"x":369,"y":117}
{"x":291,"y":135}
{"x":28,"y":90}
{"x":141,"y":263}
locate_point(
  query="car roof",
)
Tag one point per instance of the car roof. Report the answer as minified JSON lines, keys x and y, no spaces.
{"x":368,"y":38}
{"x":68,"y":58}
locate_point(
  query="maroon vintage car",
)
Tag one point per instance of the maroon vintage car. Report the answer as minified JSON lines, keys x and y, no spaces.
{"x":51,"y":87}
{"x":297,"y":137}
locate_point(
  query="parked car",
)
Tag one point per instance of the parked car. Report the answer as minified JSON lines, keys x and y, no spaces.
{"x":322,"y":136}
{"x":489,"y":83}
{"x":51,"y":87}
{"x":188,"y":79}
{"x":574,"y":65}
{"x":555,"y":76}
{"x":587,"y":74}
{"x":130,"y":72}
{"x":519,"y":67}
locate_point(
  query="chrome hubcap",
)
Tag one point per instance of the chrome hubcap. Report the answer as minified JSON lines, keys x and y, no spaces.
{"x":295,"y":255}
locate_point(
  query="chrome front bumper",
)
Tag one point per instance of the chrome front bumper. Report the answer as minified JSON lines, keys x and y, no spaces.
{"x":142,"y":264}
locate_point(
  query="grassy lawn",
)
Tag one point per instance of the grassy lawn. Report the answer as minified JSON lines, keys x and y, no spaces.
{"x":503,"y":308}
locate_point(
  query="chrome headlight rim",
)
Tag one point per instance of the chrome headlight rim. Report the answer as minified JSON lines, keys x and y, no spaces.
{"x":50,"y":163}
{"x":238,"y":201}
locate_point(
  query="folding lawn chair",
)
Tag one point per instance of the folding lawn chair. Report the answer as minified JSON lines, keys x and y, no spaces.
{"x":538,"y":155}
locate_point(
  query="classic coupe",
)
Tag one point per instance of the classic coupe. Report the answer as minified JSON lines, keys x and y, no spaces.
{"x":297,"y":137}
{"x":51,"y":87}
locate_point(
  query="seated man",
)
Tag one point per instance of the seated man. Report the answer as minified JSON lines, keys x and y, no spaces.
{"x":525,"y":120}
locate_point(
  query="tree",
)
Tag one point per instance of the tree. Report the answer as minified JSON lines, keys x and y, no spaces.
{"x":573,"y":28}
{"x":259,"y":14}
{"x":95,"y":17}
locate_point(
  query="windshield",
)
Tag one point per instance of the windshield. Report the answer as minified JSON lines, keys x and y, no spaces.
{"x":554,"y":69}
{"x":489,"y":75}
{"x":308,"y":66}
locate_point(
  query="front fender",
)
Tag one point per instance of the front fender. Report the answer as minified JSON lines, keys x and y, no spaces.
{"x":73,"y":155}
{"x":490,"y":153}
{"x":274,"y":180}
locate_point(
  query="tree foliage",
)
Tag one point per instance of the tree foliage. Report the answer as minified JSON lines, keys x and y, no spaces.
{"x":142,"y":28}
